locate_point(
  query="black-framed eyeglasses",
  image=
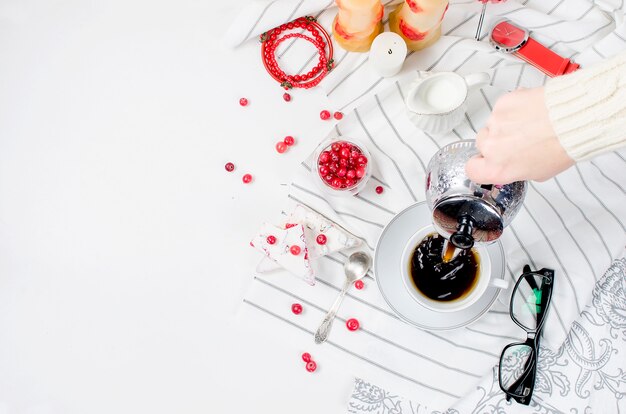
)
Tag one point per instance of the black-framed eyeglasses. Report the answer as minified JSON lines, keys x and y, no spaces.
{"x":529,"y":304}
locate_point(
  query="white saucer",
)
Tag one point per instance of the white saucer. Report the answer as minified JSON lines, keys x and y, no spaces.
{"x":387,"y":261}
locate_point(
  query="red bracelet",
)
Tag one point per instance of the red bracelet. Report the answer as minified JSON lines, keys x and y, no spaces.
{"x":270,"y":41}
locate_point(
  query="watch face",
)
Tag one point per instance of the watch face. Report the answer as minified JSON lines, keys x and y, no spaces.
{"x":508,"y":37}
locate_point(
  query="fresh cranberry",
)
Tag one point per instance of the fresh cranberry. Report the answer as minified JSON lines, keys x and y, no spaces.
{"x":359,"y":284}
{"x":362,"y":160}
{"x":296,"y":308}
{"x":323,"y":170}
{"x":352,"y":324}
{"x":328,"y":178}
{"x":341,"y":172}
{"x":324,"y":157}
{"x":336,"y":147}
{"x":334,"y":157}
{"x":290,"y":225}
{"x":343,"y":162}
{"x":230,"y":167}
{"x":350,"y":174}
{"x":247,"y":178}
{"x":271,"y":239}
{"x":289,"y":141}
{"x":337,"y":182}
{"x":311,"y":366}
{"x":344,"y":153}
{"x":321,"y":239}
{"x":325,"y":115}
{"x":349,"y":182}
{"x":360,"y":172}
{"x":295,"y":250}
{"x":286,"y":97}
{"x":333,"y":167}
{"x":243,"y":102}
{"x":345,"y":145}
{"x":281,"y":147}
{"x":354,"y":154}
{"x":379,"y":189}
{"x":338,"y":115}
{"x":306,"y":357}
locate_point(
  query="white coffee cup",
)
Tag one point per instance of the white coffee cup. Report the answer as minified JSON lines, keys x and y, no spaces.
{"x":484,"y":276}
{"x":437,"y":102}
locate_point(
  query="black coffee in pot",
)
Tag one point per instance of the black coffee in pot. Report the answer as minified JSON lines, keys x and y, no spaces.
{"x":443,"y":280}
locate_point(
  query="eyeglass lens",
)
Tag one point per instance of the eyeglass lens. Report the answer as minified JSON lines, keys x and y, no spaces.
{"x":513,"y":367}
{"x":526,"y":304}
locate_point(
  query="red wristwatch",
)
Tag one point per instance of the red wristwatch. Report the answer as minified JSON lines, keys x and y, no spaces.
{"x":509,"y":38}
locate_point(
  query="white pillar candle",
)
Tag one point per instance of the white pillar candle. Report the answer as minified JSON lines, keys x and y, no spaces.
{"x":387,"y":54}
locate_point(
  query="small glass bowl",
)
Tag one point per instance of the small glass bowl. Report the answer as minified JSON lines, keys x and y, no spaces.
{"x":340,"y":187}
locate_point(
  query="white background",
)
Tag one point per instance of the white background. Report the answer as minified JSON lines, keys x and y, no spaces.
{"x":124,"y":251}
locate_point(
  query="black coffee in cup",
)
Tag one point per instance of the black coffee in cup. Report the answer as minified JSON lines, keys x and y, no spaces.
{"x":441,"y":280}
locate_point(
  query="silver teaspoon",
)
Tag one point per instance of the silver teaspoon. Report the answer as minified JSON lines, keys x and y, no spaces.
{"x":355,"y":268}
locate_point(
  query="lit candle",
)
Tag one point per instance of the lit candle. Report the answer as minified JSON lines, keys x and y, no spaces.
{"x":387,"y":54}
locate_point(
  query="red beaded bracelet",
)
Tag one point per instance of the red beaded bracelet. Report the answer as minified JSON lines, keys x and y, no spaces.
{"x":270,"y":41}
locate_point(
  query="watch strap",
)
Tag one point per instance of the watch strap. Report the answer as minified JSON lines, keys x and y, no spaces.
{"x":544,"y":59}
{"x":571,"y":67}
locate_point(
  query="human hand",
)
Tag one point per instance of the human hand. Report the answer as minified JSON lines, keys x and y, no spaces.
{"x":518,"y":142}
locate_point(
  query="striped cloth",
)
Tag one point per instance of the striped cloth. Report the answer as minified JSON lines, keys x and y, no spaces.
{"x":574,"y":223}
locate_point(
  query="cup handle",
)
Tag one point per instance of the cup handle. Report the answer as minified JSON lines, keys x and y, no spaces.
{"x":477,"y":80}
{"x":499,"y":283}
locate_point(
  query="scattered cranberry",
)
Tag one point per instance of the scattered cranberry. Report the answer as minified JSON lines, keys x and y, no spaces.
{"x":311,"y":366}
{"x":321,"y":239}
{"x":289,"y":141}
{"x":281,"y":147}
{"x":379,"y":189}
{"x":338,"y":115}
{"x":306,"y":357}
{"x":295,"y":250}
{"x":247,"y":178}
{"x":243,"y":102}
{"x":271,"y":239}
{"x":286,"y":97}
{"x":325,"y":115}
{"x":290,"y":225}
{"x":230,"y":167}
{"x":296,"y":308}
{"x":359,"y":284}
{"x":352,"y":324}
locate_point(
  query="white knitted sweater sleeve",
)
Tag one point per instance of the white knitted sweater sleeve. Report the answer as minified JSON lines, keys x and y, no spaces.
{"x":588,"y":108}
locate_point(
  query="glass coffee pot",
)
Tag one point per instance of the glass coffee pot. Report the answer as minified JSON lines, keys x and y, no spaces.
{"x":463,"y":211}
